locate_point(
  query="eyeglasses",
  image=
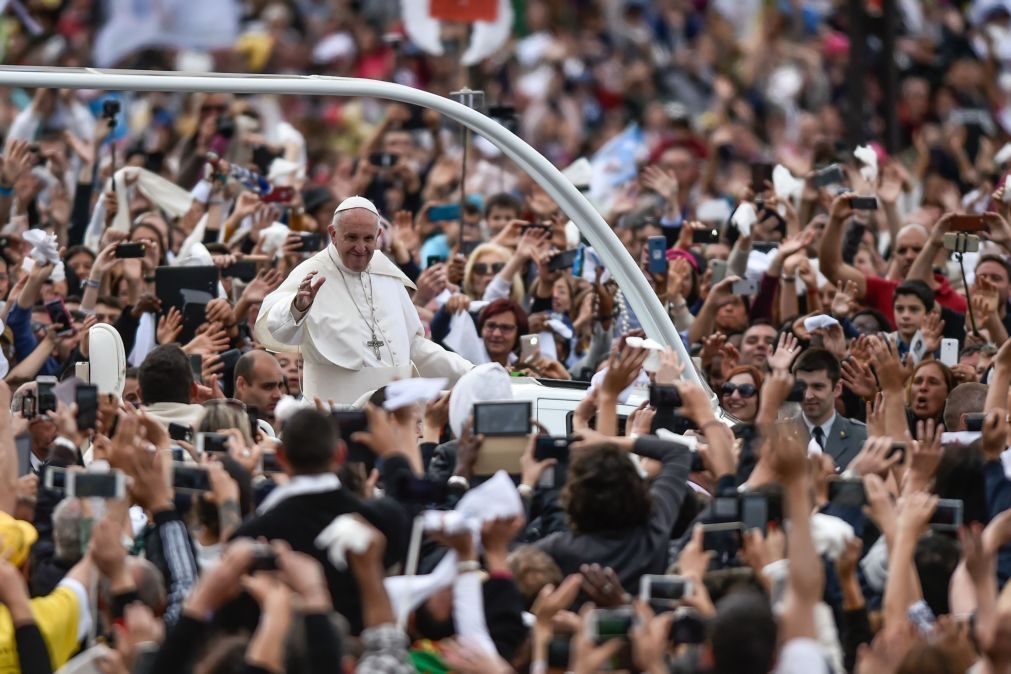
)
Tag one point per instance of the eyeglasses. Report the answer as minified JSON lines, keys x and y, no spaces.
{"x":483,"y":268}
{"x":500,"y":327}
{"x":745,"y":390}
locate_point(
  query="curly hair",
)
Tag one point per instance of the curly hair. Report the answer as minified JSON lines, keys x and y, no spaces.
{"x":605,"y":492}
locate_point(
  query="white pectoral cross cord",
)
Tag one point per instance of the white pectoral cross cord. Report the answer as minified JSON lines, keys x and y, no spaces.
{"x":370,"y":322}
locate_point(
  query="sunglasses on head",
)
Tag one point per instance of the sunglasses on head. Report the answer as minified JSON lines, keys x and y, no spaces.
{"x":483,"y":268}
{"x":745,"y":390}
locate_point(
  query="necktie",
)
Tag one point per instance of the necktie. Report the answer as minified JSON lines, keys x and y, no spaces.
{"x":819,"y":436}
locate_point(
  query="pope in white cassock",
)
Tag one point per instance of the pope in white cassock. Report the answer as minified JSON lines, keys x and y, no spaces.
{"x":348,"y":310}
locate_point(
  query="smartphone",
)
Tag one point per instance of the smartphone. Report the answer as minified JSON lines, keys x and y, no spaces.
{"x":128,"y":250}
{"x":28,"y":405}
{"x":665,"y":590}
{"x":212,"y":442}
{"x":566,"y":260}
{"x":966,"y":222}
{"x":111,"y":485}
{"x":60,"y":317}
{"x":725,"y":509}
{"x":383,"y":159}
{"x":312,"y":242}
{"x":244,"y":270}
{"x":605,"y":624}
{"x":745,"y":286}
{"x":974,"y":422}
{"x":180,"y":432}
{"x":864,"y":203}
{"x":830,"y":175}
{"x":528,"y":347}
{"x":897,"y":448}
{"x":664,"y":396}
{"x":947,"y":515}
{"x":656,"y":247}
{"x":706,"y":235}
{"x":724,"y":539}
{"x":961,"y":242}
{"x":949,"y":352}
{"x":422,"y":491}
{"x":433,"y":260}
{"x":271,"y":463}
{"x":279,"y":194}
{"x":761,"y":173}
{"x":719,"y":268}
{"x":86,"y":397}
{"x":348,"y":423}
{"x":54,"y":478}
{"x":444,"y":213}
{"x":23,"y":448}
{"x":45,"y":396}
{"x":264,"y":559}
{"x":847,"y":492}
{"x":188,"y":479}
{"x":552,"y":447}
{"x":502,"y":418}
{"x":755,"y":511}
{"x":197,"y":367}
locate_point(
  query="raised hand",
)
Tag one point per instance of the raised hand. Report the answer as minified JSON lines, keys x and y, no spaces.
{"x":858,"y":378}
{"x":786,"y":351}
{"x":17,"y":160}
{"x":265,"y":282}
{"x":622,"y":369}
{"x":170,"y":325}
{"x":664,"y":183}
{"x":932,"y":329}
{"x":845,"y":299}
{"x":307,"y":291}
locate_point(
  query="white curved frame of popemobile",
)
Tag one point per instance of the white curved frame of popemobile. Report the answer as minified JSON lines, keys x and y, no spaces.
{"x":644,"y":302}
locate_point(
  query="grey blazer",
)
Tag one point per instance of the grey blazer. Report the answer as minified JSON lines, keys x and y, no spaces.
{"x":844,"y":441}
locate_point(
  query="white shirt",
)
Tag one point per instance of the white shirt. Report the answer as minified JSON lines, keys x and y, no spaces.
{"x":826,"y":427}
{"x":299,"y":485}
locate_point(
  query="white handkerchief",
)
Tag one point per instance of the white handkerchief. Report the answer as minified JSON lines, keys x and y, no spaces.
{"x":495,"y":498}
{"x":45,"y":247}
{"x":273,"y":237}
{"x":443,"y":297}
{"x":689,"y":441}
{"x":446,"y":521}
{"x":410,"y":391}
{"x":345,"y":534}
{"x":744,"y":217}
{"x":1005,"y":460}
{"x":812,"y":323}
{"x":464,"y":340}
{"x":478,"y":305}
{"x":560,"y":328}
{"x":961,"y":438}
{"x":546,"y":345}
{"x":813,"y":448}
{"x":647,"y":343}
{"x":869,"y":158}
{"x":784,"y":184}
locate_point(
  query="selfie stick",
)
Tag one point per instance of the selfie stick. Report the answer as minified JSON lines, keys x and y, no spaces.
{"x":473,"y":99}
{"x":965,"y":282}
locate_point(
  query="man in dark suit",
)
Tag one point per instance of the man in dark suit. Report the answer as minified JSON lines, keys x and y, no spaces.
{"x":841,"y":438}
{"x":310,"y":453}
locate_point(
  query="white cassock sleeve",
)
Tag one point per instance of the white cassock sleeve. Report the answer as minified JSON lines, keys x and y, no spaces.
{"x":285,"y":323}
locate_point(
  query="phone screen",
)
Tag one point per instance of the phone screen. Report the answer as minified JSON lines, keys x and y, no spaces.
{"x":504,"y":418}
{"x":23,"y":447}
{"x":190,"y":478}
{"x":86,"y":397}
{"x":847,"y":493}
{"x":97,"y":485}
{"x":60,"y":317}
{"x":348,"y":423}
{"x":46,"y":397}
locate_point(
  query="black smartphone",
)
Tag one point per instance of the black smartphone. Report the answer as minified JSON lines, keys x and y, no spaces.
{"x":948,"y":515}
{"x":830,"y":175}
{"x":974,"y":422}
{"x":383,"y":159}
{"x":897,"y":448}
{"x":197,"y":367}
{"x":706,"y":235}
{"x":264,"y":559}
{"x":271,"y":463}
{"x":725,"y":509}
{"x":761,"y":173}
{"x":244,"y":270}
{"x":755,"y":512}
{"x":212,"y":442}
{"x":111,"y":485}
{"x":45,"y":396}
{"x":190,"y":479}
{"x":864,"y":203}
{"x":564,"y":260}
{"x":433,"y":260}
{"x":311,"y":241}
{"x":23,"y":448}
{"x":348,"y":423}
{"x":86,"y":397}
{"x":664,"y":396}
{"x":422,"y":491}
{"x":60,"y":317}
{"x":725,"y":540}
{"x":847,"y":492}
{"x":502,"y":418}
{"x":552,"y":447}
{"x":128,"y":250}
{"x":180,"y":432}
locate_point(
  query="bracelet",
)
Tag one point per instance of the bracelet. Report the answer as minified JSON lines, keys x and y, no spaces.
{"x":788,"y":279}
{"x":525,"y":490}
{"x":6,"y":191}
{"x":468,"y":566}
{"x":91,"y":283}
{"x":679,"y":307}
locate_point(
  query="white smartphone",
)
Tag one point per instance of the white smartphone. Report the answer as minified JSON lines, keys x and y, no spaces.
{"x":529,"y":346}
{"x":949,"y":352}
{"x":666,"y":589}
{"x":111,"y":485}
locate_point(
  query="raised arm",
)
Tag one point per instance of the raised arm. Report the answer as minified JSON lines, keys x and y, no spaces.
{"x":922,"y":268}
{"x":830,"y":252}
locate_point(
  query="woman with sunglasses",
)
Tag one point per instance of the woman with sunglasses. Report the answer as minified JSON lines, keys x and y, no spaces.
{"x":739,"y":394}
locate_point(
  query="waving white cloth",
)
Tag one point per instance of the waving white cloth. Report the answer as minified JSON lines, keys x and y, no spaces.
{"x":463,"y":339}
{"x":45,"y":246}
{"x":869,"y":158}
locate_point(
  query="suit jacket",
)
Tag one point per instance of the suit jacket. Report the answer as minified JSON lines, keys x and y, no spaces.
{"x":299,"y":519}
{"x":844,"y":441}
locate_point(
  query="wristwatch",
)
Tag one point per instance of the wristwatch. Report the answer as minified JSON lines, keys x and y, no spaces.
{"x":459,"y":482}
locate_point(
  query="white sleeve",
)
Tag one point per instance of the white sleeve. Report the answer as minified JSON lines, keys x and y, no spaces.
{"x":801,"y":656}
{"x":24,"y":125}
{"x":468,"y":612}
{"x":498,"y":289}
{"x":83,"y":606}
{"x":285,"y":323}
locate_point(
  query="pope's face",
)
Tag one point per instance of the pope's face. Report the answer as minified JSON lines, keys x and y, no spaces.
{"x":355,"y":238}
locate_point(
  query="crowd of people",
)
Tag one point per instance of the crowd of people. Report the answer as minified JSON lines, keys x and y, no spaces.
{"x":834,"y":495}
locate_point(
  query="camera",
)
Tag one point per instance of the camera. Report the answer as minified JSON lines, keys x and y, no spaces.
{"x":110,"y":108}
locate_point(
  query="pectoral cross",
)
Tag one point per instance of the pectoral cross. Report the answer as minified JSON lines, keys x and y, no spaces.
{"x":375,"y":345}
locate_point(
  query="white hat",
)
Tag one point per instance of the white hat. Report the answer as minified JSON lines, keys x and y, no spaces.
{"x":357,"y":202}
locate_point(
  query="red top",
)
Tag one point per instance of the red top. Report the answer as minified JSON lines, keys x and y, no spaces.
{"x":880,"y":293}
